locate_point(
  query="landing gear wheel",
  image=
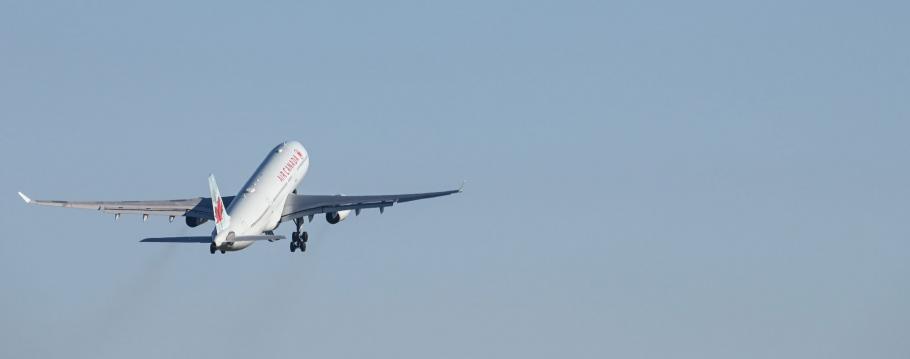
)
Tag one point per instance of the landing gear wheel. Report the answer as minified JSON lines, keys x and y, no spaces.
{"x":298,"y":240}
{"x":212,"y":248}
{"x":222,"y":251}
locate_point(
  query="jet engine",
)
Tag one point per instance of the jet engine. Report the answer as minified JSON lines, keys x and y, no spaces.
{"x":335,"y":217}
{"x":195,"y":221}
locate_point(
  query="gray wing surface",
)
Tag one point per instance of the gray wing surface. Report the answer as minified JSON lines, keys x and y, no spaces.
{"x":200,"y":207}
{"x":299,"y":206}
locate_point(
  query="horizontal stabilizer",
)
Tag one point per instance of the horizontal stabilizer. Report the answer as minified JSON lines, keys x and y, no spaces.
{"x":206,"y":239}
{"x":209,"y":239}
{"x":257,"y":238}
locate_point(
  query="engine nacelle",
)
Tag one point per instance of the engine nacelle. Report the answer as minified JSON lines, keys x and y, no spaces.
{"x":195,"y":221}
{"x":335,"y":217}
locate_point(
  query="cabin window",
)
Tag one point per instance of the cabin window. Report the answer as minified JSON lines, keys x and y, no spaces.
{"x":252,"y":187}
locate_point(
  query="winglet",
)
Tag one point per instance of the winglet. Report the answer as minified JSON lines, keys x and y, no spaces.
{"x":25,"y":198}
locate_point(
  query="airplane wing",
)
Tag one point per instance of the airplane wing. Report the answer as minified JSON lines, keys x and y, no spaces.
{"x":299,"y":206}
{"x":200,"y":207}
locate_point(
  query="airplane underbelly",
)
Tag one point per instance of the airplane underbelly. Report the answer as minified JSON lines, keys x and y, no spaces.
{"x":238,"y":245}
{"x":259,"y":214}
{"x":271,"y":220}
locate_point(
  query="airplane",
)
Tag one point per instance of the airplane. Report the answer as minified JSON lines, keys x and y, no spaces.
{"x":268,"y":198}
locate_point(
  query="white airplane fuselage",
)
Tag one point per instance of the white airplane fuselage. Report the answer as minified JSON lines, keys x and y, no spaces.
{"x":257,"y":208}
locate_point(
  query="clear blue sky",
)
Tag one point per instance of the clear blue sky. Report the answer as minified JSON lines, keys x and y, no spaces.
{"x":647,"y":179}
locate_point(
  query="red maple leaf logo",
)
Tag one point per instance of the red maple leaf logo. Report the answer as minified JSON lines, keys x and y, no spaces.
{"x":219,"y":211}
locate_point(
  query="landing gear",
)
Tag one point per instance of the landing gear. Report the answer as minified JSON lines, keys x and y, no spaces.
{"x":213,"y":248}
{"x":299,"y":238}
{"x":295,"y":242}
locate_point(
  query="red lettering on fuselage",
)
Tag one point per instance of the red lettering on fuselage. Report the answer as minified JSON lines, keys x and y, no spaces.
{"x":290,"y":165}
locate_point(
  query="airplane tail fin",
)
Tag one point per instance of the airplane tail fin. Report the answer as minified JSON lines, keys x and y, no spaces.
{"x":222,"y":219}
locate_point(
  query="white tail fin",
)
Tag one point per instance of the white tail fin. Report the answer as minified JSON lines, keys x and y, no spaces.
{"x":222,"y":219}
